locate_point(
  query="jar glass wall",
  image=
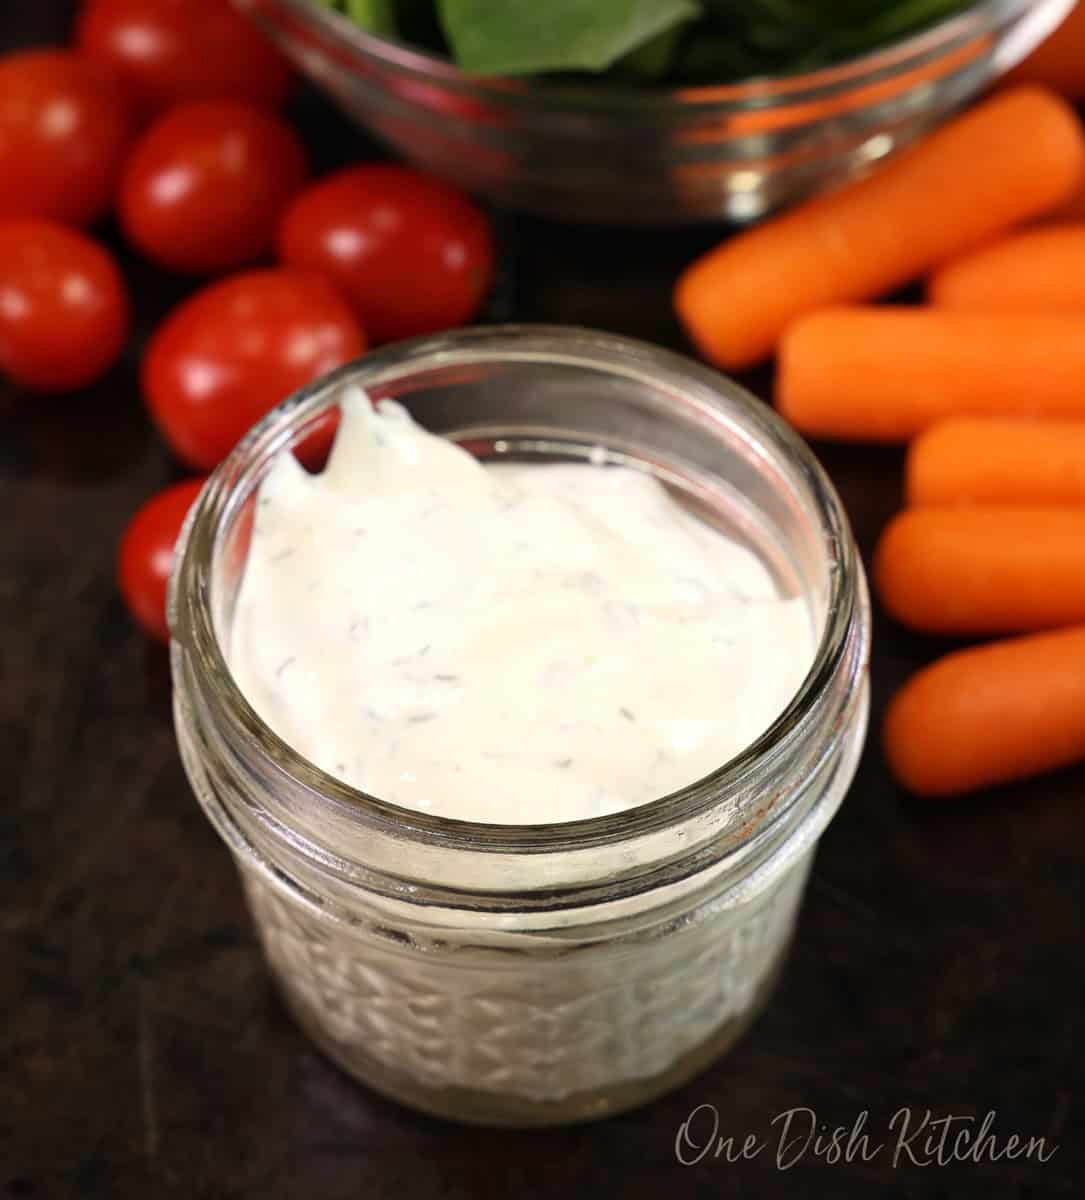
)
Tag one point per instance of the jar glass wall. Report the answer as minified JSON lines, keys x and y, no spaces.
{"x":532,"y":974}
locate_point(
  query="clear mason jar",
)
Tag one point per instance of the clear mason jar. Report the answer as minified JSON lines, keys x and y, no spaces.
{"x":535,"y":974}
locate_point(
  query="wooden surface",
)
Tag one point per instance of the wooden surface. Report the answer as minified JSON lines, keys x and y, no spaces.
{"x":143,"y":1052}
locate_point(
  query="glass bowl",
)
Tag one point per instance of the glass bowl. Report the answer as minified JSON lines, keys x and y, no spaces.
{"x":610,"y":155}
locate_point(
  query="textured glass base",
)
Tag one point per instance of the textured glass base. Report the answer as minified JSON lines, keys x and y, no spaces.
{"x":535,"y":1036}
{"x":515,"y":1112}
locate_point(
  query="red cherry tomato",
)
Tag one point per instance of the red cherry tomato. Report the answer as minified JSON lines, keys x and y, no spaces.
{"x":64,"y":130}
{"x":167,"y":51}
{"x":205,"y":186}
{"x":238,"y":347}
{"x":145,"y":556}
{"x":64,"y":312}
{"x":412,"y":254}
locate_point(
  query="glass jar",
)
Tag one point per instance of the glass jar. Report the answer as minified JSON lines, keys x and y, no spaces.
{"x":534,"y":974}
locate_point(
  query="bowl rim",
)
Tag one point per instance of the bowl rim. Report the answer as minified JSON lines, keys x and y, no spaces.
{"x":926,"y":45}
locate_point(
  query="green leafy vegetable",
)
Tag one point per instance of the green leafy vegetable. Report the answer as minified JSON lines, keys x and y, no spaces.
{"x":522,"y":37}
{"x":654,"y":59}
{"x":780,"y":36}
{"x":377,"y":16}
{"x":672,"y":41}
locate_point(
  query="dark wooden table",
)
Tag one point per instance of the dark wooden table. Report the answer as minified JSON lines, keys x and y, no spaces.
{"x":142,"y":1051}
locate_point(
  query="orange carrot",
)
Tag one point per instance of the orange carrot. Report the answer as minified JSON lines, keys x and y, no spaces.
{"x":1058,"y":62}
{"x":1015,"y":156}
{"x":1040,"y":270}
{"x":1073,"y":211}
{"x":986,"y":569}
{"x":991,"y":461}
{"x":990,"y":714}
{"x":884,"y":373}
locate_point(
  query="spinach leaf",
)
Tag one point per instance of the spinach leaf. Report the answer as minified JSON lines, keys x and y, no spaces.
{"x":781,"y":36}
{"x":520,"y":37}
{"x":648,"y":41}
{"x":377,"y":16}
{"x":654,"y":58}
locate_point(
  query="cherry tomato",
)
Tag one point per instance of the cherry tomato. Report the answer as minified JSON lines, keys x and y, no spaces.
{"x":167,"y":51}
{"x":64,"y":312}
{"x":237,"y":348}
{"x":206,"y":184}
{"x":64,"y":130}
{"x":145,"y":556}
{"x":412,"y":254}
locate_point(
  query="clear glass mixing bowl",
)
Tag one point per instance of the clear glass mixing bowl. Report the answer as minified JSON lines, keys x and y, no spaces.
{"x":612,"y":155}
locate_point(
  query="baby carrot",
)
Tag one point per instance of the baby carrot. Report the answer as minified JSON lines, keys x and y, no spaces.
{"x":885,"y":373}
{"x":1072,"y":211}
{"x":1040,"y":270}
{"x":990,"y":714}
{"x":983,"y":570}
{"x":1014,"y":156}
{"x":1058,"y":62}
{"x":991,"y":461}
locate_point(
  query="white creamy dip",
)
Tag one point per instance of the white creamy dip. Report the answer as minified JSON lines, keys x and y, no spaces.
{"x":513,"y":642}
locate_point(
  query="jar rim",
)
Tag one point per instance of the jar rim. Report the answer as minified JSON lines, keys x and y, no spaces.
{"x":192,"y":622}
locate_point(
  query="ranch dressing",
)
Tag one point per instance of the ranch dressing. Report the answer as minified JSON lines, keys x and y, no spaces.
{"x":510,"y":642}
